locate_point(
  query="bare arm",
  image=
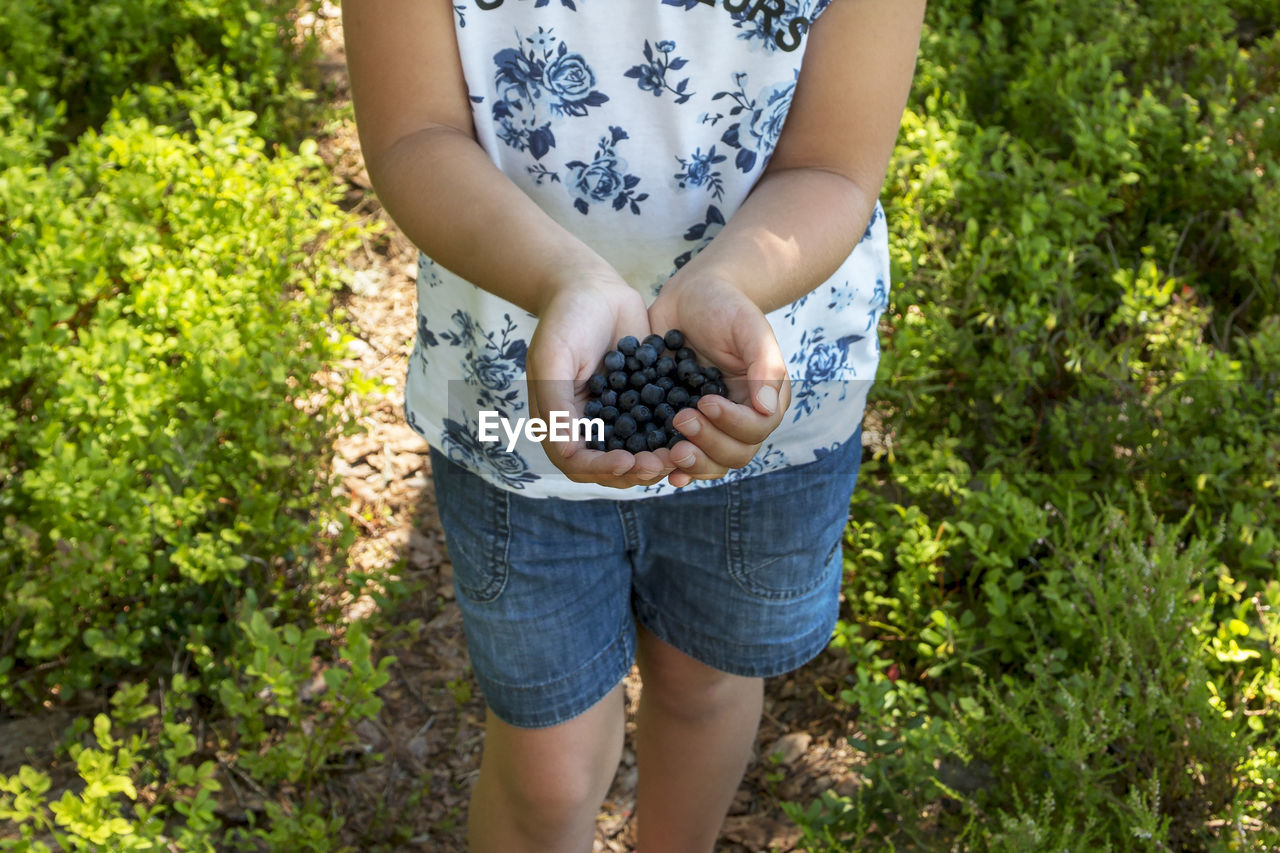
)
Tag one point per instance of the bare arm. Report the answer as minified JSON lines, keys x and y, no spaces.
{"x":433,"y":178}
{"x":812,"y":204}
{"x":414,"y":118}
{"x":800,"y":222}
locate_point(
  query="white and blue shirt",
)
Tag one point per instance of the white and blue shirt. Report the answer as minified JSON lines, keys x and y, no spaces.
{"x":640,"y":126}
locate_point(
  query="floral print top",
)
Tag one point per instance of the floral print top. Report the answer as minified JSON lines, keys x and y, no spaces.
{"x":640,"y":126}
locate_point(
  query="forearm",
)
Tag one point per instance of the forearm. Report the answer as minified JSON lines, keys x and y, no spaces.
{"x":793,"y":231}
{"x":450,"y":200}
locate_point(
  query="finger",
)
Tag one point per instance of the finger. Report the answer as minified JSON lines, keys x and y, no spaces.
{"x":740,"y":422}
{"x":766,"y":368}
{"x":722,"y":449}
{"x":695,"y":464}
{"x":618,"y":468}
{"x":679,"y":479}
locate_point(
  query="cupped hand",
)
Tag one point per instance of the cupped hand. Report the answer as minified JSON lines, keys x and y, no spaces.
{"x":725,"y":327}
{"x":577,"y":324}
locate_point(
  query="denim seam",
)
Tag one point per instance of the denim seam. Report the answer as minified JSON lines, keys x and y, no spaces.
{"x":732,"y":528}
{"x":630,"y":533}
{"x":504,"y":535}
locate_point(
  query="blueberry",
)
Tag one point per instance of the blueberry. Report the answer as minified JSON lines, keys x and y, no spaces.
{"x":614,"y":360}
{"x":663,"y":413}
{"x":666,"y":383}
{"x":614,"y":443}
{"x":684,"y":367}
{"x":693,"y":401}
{"x":617,"y":380}
{"x":685,"y":354}
{"x":711,"y":372}
{"x":608,"y":397}
{"x":656,"y":343}
{"x":673,"y":339}
{"x":627,"y":346}
{"x":646,"y":355}
{"x":637,"y":443}
{"x":710,"y":388}
{"x":638,"y":380}
{"x":628,"y":399}
{"x":665,"y":365}
{"x":674,"y":439}
{"x":694,"y":380}
{"x":678,"y":397}
{"x":592,"y":408}
{"x":656,"y":439}
{"x":652,"y":395}
{"x":721,"y":388}
{"x":633,"y":364}
{"x":596,"y":383}
{"x":624,"y":426}
{"x":608,"y":414}
{"x":642,"y":413}
{"x":651,"y":374}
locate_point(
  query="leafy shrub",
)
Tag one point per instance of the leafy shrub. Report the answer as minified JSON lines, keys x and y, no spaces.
{"x":148,"y":783}
{"x":1086,"y":310}
{"x":85,"y":54}
{"x":167,"y":516}
{"x":160,"y":453}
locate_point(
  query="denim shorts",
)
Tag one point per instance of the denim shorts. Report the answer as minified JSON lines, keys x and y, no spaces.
{"x":743,"y":576}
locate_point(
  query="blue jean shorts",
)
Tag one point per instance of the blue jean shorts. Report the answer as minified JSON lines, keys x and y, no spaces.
{"x":743,"y":576}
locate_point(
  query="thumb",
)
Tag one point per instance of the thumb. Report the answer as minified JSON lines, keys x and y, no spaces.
{"x":552,"y":390}
{"x":766,"y":369}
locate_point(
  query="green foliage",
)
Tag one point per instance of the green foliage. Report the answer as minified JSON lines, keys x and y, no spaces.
{"x":137,"y":746}
{"x":1085,"y":321}
{"x":277,"y":667}
{"x":163,"y":453}
{"x":169,"y":533}
{"x":83,"y":55}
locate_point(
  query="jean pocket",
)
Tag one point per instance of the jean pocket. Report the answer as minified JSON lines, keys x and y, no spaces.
{"x":475,"y":516}
{"x":782,"y":535}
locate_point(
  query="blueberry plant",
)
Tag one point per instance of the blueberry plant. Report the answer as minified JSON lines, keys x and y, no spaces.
{"x":168,"y":533}
{"x":1061,"y":606}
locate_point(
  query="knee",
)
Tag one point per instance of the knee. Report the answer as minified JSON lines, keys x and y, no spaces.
{"x":548,"y":783}
{"x":555,"y":795}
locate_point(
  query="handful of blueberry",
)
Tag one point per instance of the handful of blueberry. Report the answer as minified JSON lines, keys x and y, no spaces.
{"x":641,"y":387}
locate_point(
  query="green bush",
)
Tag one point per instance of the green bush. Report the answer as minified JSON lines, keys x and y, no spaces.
{"x":160,"y":451}
{"x":1086,"y":311}
{"x":85,"y":54}
{"x":139,"y":749}
{"x":169,"y":536}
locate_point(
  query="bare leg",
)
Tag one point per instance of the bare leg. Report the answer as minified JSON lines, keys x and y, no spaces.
{"x":694,"y":732}
{"x":539,"y":790}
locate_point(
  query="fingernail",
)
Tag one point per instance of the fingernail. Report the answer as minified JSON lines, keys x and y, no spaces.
{"x":710,"y":408}
{"x":685,"y":460}
{"x":689,"y":426}
{"x":768,"y":398}
{"x":621,"y":468}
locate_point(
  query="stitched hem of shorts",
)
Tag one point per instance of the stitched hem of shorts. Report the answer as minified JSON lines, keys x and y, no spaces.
{"x":561,"y":711}
{"x":707,"y":652}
